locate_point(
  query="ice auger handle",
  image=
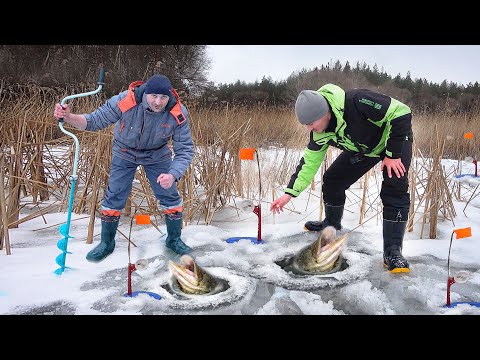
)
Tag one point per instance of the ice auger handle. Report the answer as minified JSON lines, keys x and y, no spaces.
{"x":102,"y":76}
{"x":99,"y":88}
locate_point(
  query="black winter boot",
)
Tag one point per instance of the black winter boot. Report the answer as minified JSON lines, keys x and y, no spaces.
{"x":107,"y":243}
{"x":393,"y":233}
{"x":333,"y":217}
{"x":174,"y":231}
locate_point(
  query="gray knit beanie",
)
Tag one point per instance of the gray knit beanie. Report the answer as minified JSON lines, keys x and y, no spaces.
{"x":310,"y":106}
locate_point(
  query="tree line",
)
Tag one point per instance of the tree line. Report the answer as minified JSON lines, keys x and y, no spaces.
{"x":77,"y":67}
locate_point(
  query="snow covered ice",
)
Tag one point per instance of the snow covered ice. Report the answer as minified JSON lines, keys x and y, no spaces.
{"x":256,"y":282}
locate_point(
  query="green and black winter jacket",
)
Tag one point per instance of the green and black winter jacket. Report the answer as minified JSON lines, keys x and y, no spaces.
{"x":362,"y":121}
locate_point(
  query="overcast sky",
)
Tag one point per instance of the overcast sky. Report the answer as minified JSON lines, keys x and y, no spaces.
{"x":456,"y":63}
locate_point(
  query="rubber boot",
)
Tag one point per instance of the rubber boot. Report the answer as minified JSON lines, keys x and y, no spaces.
{"x":174,"y":232}
{"x":107,"y":242}
{"x":393,"y":233}
{"x":333,"y":217}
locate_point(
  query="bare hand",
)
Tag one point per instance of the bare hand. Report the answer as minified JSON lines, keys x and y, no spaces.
{"x":278,"y":204}
{"x":393,"y":164}
{"x":166,"y":180}
{"x":61,"y":111}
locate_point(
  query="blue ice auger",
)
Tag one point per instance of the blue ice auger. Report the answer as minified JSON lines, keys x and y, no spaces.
{"x":65,"y":228}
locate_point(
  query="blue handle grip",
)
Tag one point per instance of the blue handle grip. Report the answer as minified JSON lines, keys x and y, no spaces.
{"x":102,"y":76}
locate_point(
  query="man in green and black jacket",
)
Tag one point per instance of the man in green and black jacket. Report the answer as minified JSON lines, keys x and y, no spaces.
{"x":369,"y":127}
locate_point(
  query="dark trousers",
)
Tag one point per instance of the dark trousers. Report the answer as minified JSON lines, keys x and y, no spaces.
{"x":342,"y":173}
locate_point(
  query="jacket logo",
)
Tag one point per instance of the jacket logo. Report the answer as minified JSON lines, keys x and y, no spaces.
{"x":165,"y":125}
{"x":370,"y":103}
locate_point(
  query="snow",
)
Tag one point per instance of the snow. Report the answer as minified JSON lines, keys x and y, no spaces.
{"x":255,"y":281}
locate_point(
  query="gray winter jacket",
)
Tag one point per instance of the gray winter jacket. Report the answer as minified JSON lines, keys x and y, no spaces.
{"x":141,"y":135}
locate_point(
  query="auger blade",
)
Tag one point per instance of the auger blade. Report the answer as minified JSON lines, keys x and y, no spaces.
{"x":60,"y":259}
{"x":59,"y":271}
{"x":62,"y":245}
{"x":63,"y":229}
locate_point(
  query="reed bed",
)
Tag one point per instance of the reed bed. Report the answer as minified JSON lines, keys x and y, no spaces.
{"x":451,"y":129}
{"x":37,"y":163}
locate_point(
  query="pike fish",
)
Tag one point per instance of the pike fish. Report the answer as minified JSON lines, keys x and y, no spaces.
{"x":191,"y":278}
{"x":321,"y":256}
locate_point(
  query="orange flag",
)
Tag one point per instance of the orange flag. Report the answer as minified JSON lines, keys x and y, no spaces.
{"x":468,"y":135}
{"x":142,"y":219}
{"x":463,"y":232}
{"x":247,"y":153}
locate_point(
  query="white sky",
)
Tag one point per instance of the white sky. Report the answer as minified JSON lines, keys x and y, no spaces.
{"x":258,"y":286}
{"x":455,"y":63}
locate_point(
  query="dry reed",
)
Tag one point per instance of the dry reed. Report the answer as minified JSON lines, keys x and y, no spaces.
{"x":38,"y":161}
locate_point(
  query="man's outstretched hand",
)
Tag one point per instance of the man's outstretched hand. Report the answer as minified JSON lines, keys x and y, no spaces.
{"x":277,"y":205}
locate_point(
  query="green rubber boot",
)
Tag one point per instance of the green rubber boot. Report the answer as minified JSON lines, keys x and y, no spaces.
{"x":174,"y":231}
{"x":107,"y":242}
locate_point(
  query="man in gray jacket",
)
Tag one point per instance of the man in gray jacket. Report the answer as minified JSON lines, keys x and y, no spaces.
{"x":147,"y":116}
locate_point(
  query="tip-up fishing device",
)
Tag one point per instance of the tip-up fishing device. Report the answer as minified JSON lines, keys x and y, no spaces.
{"x":140,"y":264}
{"x":461,"y":276}
{"x":65,"y":228}
{"x":248,"y":154}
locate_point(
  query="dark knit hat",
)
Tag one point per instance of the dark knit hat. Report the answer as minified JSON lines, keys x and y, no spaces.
{"x":158,"y":84}
{"x":310,"y":106}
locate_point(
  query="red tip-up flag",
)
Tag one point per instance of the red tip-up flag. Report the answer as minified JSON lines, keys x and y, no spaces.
{"x":142,"y":219}
{"x":463,"y":232}
{"x":247,"y":153}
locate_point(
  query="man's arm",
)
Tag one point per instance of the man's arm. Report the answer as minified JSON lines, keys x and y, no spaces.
{"x":76,"y":120}
{"x":400,"y":130}
{"x":183,"y":148}
{"x":307,"y":167}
